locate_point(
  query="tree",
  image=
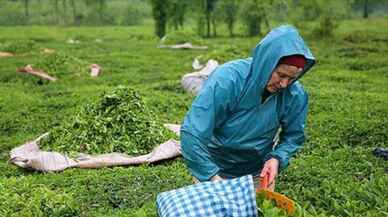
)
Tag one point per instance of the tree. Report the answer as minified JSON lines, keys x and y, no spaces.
{"x":76,"y":18}
{"x":366,"y":14}
{"x":27,"y":10}
{"x":176,"y":12}
{"x":101,"y":9}
{"x":252,"y":16}
{"x":206,"y":18}
{"x":210,"y":21}
{"x":56,"y":10}
{"x":97,"y":11}
{"x":64,"y":6}
{"x":367,"y":7}
{"x":228,"y":10}
{"x":328,"y":13}
{"x":159,"y":13}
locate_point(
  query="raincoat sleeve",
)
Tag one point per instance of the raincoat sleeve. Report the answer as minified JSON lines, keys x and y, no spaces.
{"x":292,"y":135}
{"x":208,"y":111}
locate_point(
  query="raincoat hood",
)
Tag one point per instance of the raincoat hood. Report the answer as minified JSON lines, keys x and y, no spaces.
{"x":280,"y":42}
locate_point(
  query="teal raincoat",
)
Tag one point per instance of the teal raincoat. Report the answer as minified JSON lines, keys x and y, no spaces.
{"x":229,"y":131}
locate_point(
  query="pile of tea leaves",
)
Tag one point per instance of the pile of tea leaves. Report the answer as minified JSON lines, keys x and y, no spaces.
{"x":118,"y":121}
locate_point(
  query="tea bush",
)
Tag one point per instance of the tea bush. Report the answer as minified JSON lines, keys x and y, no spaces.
{"x":61,"y":63}
{"x":335,"y":174}
{"x":18,"y":46}
{"x":23,"y":199}
{"x":224,"y":53}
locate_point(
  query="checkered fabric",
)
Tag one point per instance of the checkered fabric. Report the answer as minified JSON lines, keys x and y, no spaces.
{"x":232,"y":198}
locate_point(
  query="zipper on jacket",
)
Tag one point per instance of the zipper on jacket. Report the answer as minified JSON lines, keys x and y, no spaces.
{"x":268,"y":98}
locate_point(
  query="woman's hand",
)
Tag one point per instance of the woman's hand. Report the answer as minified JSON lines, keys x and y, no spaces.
{"x":216,"y":178}
{"x":269,"y":172}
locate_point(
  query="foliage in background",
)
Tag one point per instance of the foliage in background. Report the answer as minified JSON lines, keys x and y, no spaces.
{"x":73,"y":12}
{"x":132,"y":15}
{"x":206,"y":17}
{"x":177,"y":12}
{"x":328,"y":13}
{"x":228,"y":12}
{"x":252,"y":13}
{"x":368,"y":7}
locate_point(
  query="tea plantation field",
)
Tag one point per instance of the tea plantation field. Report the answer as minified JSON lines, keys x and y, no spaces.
{"x":335,"y":174}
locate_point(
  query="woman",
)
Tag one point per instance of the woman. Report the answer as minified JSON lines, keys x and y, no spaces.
{"x":231,"y":126}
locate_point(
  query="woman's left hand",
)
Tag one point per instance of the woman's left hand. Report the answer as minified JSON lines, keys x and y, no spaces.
{"x":270,"y":171}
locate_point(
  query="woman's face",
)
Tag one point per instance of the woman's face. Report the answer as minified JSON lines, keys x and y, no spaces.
{"x":281,"y":77}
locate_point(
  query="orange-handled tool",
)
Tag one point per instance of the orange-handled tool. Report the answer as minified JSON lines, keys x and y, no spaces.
{"x":264,"y":181}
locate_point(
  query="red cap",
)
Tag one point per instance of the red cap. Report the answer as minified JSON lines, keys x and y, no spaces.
{"x":294,"y":60}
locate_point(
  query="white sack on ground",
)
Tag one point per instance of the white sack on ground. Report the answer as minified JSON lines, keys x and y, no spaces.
{"x":184,"y":46}
{"x":164,"y":151}
{"x":48,"y":51}
{"x":72,"y":41}
{"x":5,"y":54}
{"x":193,"y":82}
{"x":36,"y":72}
{"x":196,"y":65}
{"x":31,"y":157}
{"x":95,"y":70}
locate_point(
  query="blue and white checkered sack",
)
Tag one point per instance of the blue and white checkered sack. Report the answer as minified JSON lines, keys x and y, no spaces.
{"x":232,"y":198}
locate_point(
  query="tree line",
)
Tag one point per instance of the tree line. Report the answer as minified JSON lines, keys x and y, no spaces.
{"x":256,"y":14}
{"x":205,"y":15}
{"x":73,"y":12}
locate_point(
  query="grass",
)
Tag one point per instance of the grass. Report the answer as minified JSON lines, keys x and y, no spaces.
{"x":335,"y":174}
